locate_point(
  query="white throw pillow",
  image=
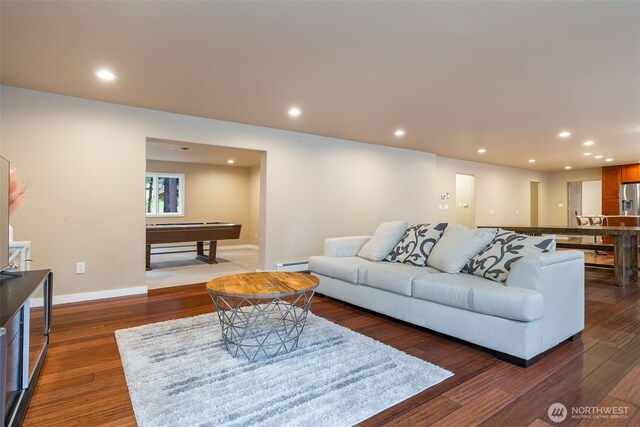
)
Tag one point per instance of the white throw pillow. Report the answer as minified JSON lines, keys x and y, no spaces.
{"x":495,"y":261}
{"x":387,"y":235}
{"x":457,"y":246}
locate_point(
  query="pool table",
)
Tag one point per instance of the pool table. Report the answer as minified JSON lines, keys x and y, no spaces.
{"x":199,"y":232}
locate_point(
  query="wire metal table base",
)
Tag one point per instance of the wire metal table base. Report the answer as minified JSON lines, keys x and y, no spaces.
{"x":257,"y":327}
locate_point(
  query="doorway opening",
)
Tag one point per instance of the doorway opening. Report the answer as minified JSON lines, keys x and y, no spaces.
{"x":466,"y":200}
{"x":217,"y":187}
{"x":535,"y":203}
{"x":584,"y":198}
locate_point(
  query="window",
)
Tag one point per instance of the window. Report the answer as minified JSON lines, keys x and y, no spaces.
{"x":164,"y":194}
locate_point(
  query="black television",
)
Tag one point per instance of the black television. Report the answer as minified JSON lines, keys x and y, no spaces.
{"x":5,"y":171}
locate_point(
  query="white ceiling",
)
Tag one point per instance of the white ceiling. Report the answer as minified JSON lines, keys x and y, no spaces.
{"x":186,"y":152}
{"x":457,"y":76}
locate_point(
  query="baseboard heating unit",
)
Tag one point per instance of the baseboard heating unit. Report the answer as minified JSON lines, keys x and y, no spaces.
{"x":300,"y":266}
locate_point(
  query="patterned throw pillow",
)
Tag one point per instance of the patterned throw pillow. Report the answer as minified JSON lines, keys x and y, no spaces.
{"x":416,"y":244}
{"x":495,"y":261}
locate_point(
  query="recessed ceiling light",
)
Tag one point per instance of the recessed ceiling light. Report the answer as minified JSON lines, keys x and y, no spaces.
{"x":588,"y":143}
{"x":564,"y":134}
{"x":567,"y":167}
{"x":231,"y":161}
{"x":587,"y":154}
{"x":294,"y":112}
{"x":399,"y":132}
{"x":106,"y":75}
{"x":532,"y":160}
{"x":608,"y":160}
{"x":599,"y":156}
{"x":482,"y":151}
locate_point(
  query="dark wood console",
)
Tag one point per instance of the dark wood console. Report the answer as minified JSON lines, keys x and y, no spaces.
{"x":25,"y":319}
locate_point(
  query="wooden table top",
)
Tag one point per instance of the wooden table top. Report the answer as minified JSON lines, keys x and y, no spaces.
{"x":585,"y":230}
{"x":267,"y":285}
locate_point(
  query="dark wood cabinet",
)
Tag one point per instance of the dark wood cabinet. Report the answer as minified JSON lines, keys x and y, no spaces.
{"x":630,"y":173}
{"x":25,"y":321}
{"x":611,"y":179}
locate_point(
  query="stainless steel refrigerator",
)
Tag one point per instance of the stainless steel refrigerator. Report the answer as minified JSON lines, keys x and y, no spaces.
{"x":630,"y":199}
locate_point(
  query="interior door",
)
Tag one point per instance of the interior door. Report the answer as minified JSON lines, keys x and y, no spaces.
{"x":574,"y":201}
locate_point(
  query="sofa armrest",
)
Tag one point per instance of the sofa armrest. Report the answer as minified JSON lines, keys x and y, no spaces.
{"x":344,"y":246}
{"x":559,"y":276}
{"x":527,"y":272}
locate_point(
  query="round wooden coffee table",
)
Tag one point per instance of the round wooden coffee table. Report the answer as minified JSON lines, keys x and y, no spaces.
{"x":262,"y":314}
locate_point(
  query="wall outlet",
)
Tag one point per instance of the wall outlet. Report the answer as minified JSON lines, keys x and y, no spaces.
{"x":80,"y":267}
{"x":490,"y":211}
{"x":446,"y":207}
{"x":517,"y":211}
{"x":561,"y":205}
{"x":439,"y":207}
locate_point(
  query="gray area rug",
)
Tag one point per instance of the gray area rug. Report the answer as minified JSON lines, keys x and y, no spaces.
{"x":180,"y":374}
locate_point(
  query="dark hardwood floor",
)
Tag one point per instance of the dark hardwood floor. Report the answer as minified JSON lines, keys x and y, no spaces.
{"x":82,"y":381}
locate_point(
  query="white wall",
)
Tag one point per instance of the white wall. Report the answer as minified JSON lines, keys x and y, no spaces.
{"x":84,"y":160}
{"x":592,"y":197}
{"x":499,"y":189}
{"x":557,"y":192}
{"x":83,"y":163}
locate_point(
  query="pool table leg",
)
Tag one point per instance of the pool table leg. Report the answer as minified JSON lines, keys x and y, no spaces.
{"x":211,"y":258}
{"x":148,"y":261}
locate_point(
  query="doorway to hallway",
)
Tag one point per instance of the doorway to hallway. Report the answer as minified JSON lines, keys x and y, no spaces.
{"x":466,"y":200}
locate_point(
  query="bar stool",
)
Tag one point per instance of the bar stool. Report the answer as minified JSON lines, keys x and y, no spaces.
{"x":582,"y":220}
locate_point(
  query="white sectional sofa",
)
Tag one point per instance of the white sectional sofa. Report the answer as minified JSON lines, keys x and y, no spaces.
{"x":540,"y":305}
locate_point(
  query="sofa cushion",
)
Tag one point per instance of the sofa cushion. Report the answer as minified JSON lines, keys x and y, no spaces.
{"x":447,"y":289}
{"x":391,"y":276}
{"x":383,"y":240}
{"x":507,"y":247}
{"x":344,"y":268}
{"x":480,"y":295}
{"x":457,"y":246}
{"x":416,"y":244}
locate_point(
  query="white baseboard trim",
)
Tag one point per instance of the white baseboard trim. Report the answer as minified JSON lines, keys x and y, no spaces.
{"x":239,"y":247}
{"x":88,"y":296}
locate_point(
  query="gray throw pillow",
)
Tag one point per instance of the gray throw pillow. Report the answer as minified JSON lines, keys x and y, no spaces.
{"x":495,"y":261}
{"x":416,"y":244}
{"x":457,"y":246}
{"x":383,"y":240}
